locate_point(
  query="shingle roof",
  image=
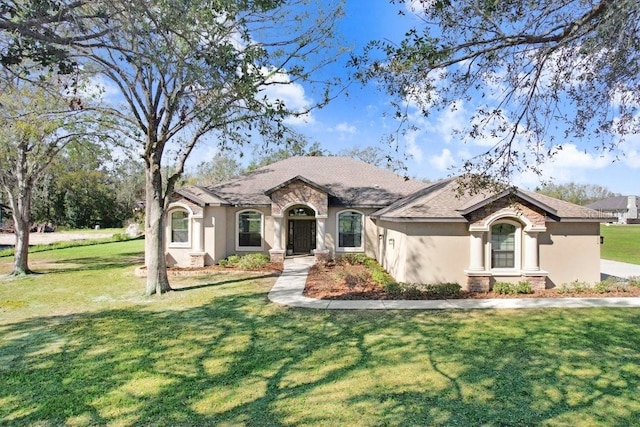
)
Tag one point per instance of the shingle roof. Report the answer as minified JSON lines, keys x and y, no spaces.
{"x":201,"y":196}
{"x":616,"y":203}
{"x":350,"y":181}
{"x":442,"y":201}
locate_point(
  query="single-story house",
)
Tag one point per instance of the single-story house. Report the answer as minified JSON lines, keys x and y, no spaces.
{"x":621,"y":209}
{"x":419,"y":232}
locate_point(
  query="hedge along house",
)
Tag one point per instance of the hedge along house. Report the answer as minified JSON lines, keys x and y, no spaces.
{"x":424,"y":233}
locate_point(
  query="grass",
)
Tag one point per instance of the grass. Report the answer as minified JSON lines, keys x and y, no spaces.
{"x":621,"y":243}
{"x":117,"y":237}
{"x":80,"y":345}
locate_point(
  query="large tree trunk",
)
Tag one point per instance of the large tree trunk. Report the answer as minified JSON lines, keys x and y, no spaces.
{"x":157,"y":279}
{"x":21,"y":251}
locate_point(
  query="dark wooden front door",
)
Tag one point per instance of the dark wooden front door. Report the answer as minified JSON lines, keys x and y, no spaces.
{"x":302,"y":236}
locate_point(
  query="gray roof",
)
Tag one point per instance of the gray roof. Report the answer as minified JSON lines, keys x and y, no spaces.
{"x":349,"y":182}
{"x":442,"y":201}
{"x":616,"y":203}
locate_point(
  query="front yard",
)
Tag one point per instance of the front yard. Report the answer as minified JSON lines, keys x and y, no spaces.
{"x":621,"y":243}
{"x":80,"y":345}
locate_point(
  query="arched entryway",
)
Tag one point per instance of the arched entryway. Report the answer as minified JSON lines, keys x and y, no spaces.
{"x":301,"y":230}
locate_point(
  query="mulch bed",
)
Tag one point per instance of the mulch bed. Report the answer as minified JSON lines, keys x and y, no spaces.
{"x":328,"y":282}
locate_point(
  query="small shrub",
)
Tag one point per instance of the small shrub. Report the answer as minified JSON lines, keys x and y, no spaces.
{"x":602,"y":287}
{"x":505,"y":288}
{"x":352,"y":259}
{"x":442,"y":290}
{"x":411,"y":291}
{"x":230,"y":261}
{"x":381,"y":277}
{"x":393,"y":289}
{"x":634,"y":281}
{"x":522,"y":287}
{"x":502,"y":288}
{"x":252,"y":261}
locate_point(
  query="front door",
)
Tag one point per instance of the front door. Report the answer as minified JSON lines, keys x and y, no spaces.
{"x":302,"y":235}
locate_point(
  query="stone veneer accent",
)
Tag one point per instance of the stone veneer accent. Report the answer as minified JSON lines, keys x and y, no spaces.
{"x":299,"y":192}
{"x":478,"y":283}
{"x":538,"y":283}
{"x":276,"y":255}
{"x":196,"y":260}
{"x":508,"y":205}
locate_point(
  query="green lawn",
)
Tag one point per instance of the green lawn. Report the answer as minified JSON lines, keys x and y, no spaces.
{"x":621,"y":243}
{"x":80,"y":345}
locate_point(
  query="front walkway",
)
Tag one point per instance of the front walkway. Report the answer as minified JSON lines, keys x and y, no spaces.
{"x":289,"y":287}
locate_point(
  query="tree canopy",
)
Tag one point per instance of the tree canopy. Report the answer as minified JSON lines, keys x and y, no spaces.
{"x":537,"y":73}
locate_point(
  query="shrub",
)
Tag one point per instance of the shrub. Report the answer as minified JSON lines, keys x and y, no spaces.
{"x":381,"y":277}
{"x":505,"y":288}
{"x":352,"y":259}
{"x":411,"y":291}
{"x":353,"y":278}
{"x":634,"y":281}
{"x":230,"y":261}
{"x":502,"y":288}
{"x":393,"y":289}
{"x":442,"y":290}
{"x":253,"y":261}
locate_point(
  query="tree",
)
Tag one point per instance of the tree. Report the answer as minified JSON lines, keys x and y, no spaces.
{"x":36,"y":123}
{"x":40,"y":31}
{"x":539,"y":73}
{"x":185,"y":69}
{"x":220,"y":168}
{"x":580,"y":194}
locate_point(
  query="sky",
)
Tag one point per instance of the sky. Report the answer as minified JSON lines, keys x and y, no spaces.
{"x":356,"y":119}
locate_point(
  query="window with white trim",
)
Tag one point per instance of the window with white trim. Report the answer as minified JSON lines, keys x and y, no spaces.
{"x":179,"y":228}
{"x":350,"y":230}
{"x":505,"y":245}
{"x":249,"y":230}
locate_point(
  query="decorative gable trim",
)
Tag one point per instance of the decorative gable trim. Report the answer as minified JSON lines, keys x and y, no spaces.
{"x":302,"y":179}
{"x":553,"y":213}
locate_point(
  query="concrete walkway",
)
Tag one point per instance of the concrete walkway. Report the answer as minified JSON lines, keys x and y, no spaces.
{"x":289,"y":287}
{"x":618,"y":269}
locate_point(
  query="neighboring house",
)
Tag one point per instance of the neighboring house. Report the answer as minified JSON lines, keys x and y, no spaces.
{"x":622,"y":209}
{"x":419,"y":232}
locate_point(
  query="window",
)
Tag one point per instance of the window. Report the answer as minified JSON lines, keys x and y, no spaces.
{"x":503,"y":245}
{"x":350,"y":230}
{"x":249,"y":229}
{"x":180,"y":227}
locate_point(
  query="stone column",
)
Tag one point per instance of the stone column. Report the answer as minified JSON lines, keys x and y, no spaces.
{"x":531,"y":251}
{"x":476,"y":251}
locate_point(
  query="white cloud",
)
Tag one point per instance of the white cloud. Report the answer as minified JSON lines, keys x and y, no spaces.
{"x":292,"y":94}
{"x":412,"y":147}
{"x":344,"y":127}
{"x":443,"y":161}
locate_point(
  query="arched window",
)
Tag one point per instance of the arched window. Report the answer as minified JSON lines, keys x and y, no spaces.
{"x":350,"y":230}
{"x":250,"y":228}
{"x":179,"y":228}
{"x":505,"y":245}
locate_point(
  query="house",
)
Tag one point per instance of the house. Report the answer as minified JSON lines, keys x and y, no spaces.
{"x":419,"y":232}
{"x":622,"y":209}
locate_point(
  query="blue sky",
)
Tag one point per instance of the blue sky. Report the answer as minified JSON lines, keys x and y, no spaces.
{"x":356,"y":120}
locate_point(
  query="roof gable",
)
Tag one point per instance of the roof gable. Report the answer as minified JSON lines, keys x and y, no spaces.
{"x":443,"y":202}
{"x":301,"y":179}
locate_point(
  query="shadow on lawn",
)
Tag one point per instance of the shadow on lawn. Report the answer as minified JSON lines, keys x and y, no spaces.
{"x":242,"y":360}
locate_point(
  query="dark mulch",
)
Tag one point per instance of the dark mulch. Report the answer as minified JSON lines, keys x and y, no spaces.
{"x":351,"y":282}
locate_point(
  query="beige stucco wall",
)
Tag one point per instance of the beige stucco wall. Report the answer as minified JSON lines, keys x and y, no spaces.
{"x":570,"y":251}
{"x":439,"y":252}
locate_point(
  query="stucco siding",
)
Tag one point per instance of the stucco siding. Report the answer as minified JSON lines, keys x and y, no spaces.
{"x":570,"y":251}
{"x":436,"y":252}
{"x":215,"y":234}
{"x":393,"y":249}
